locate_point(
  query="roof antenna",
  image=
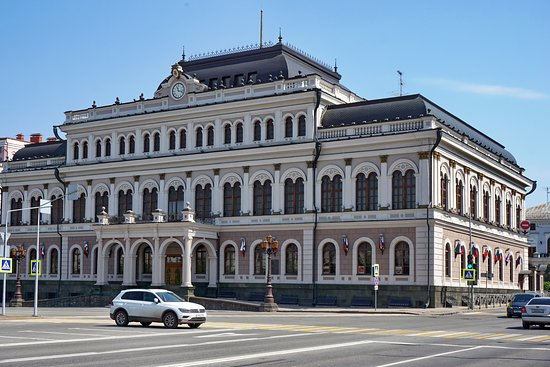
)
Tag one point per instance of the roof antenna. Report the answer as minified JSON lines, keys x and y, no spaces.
{"x":400,"y":83}
{"x":280,"y":36}
{"x":261,"y":25}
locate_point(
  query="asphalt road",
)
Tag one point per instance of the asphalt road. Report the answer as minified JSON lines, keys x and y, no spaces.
{"x":88,"y":337}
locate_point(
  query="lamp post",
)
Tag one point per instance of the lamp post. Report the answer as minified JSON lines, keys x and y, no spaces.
{"x":18,"y":253}
{"x":270,"y":247}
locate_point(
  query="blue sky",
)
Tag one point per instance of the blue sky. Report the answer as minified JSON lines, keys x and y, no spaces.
{"x":488,"y":62}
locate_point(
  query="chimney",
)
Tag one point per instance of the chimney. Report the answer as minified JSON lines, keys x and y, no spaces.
{"x":20,"y":137}
{"x":36,"y":138}
{"x":51,"y":138}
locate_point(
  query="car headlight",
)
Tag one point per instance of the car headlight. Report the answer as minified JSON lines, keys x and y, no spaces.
{"x":184,"y":310}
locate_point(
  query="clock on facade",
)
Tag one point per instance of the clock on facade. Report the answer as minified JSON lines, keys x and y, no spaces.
{"x":178,"y":90}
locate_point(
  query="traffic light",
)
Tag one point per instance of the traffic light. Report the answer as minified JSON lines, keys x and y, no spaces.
{"x":470,"y":261}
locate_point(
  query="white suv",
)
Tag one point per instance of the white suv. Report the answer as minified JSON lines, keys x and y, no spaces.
{"x":155,"y":305}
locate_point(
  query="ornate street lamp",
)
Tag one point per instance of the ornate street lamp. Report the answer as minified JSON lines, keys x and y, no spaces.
{"x":270,"y":247}
{"x":18,"y":253}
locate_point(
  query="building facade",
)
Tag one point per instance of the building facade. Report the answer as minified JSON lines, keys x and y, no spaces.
{"x":539,"y":239}
{"x":267,"y":141}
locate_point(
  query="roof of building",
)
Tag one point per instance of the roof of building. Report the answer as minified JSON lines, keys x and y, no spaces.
{"x":41,"y":150}
{"x":538,"y":212}
{"x":407,"y":107}
{"x":254,"y":64}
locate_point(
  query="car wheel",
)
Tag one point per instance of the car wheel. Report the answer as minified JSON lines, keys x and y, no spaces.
{"x":121,"y":318}
{"x":194,"y":326}
{"x":170,"y":320}
{"x":145,"y":323}
{"x":526,"y":325}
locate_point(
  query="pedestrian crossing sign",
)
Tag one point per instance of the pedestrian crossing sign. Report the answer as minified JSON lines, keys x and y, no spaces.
{"x":5,"y":264}
{"x":35,"y":268}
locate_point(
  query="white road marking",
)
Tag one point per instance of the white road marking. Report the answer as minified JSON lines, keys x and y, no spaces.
{"x":222,"y":334}
{"x":428,"y":357}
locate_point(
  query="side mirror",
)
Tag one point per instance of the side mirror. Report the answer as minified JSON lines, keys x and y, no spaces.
{"x":156,"y":300}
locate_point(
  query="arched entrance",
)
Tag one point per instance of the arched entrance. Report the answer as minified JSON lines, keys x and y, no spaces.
{"x":173,"y":265}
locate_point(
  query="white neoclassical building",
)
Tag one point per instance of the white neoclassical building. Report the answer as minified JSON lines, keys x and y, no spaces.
{"x":267,"y":141}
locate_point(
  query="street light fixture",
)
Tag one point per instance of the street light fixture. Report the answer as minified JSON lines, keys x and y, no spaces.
{"x":270,"y":247}
{"x":18,"y":253}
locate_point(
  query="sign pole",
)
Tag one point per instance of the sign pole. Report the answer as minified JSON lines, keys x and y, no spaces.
{"x":35,"y":312}
{"x":5,"y":254}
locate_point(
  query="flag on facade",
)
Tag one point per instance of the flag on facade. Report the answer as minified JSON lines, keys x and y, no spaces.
{"x":42,"y":251}
{"x":345,"y":244}
{"x":86,"y":249}
{"x":498,"y":255}
{"x":242,"y":249}
{"x":485,"y":253}
{"x":381,"y":244}
{"x":508,"y":258}
{"x":475,"y":251}
{"x":459,"y":249}
{"x":519,"y":261}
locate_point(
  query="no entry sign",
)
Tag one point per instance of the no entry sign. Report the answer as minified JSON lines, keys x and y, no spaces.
{"x":525,"y":225}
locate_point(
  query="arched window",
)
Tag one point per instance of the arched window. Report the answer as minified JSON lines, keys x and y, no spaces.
{"x":183,"y":139}
{"x":147,"y":260}
{"x":56,"y":215}
{"x":198,"y":137}
{"x":518,"y":215}
{"x":331,"y":194}
{"x":511,"y":271}
{"x":500,"y":269}
{"x":270,"y":130}
{"x":498,"y":203}
{"x":302,"y":125}
{"x":227,"y":134}
{"x":229,"y":260}
{"x":403,"y":190}
{"x":231,"y":199}
{"x":329,"y":259}
{"x":79,"y":209}
{"x":31,"y":255}
{"x":294,"y":196}
{"x":98,"y":149}
{"x":402,"y":258}
{"x":203,"y":201}
{"x":548,"y":247}
{"x":172,"y":140}
{"x":366,"y":192}
{"x":444,"y":191}
{"x":156,"y":142}
{"x":35,"y":203}
{"x":120,"y":261}
{"x":122,"y":146}
{"x":124,"y":202}
{"x":257,"y":131}
{"x":288,"y":127}
{"x":146,"y":143}
{"x":54,"y":262}
{"x":486,"y":205}
{"x":262,"y":198}
{"x":448,"y":260}
{"x":150,"y":202}
{"x":490,"y":262}
{"x":473,"y":201}
{"x":75,"y":268}
{"x":101,"y":201}
{"x":75,"y":151}
{"x":508,"y":213}
{"x":210,"y":136}
{"x":239,"y":135}
{"x":291,"y":259}
{"x":201,"y":256}
{"x":259,"y":262}
{"x":132,"y":145}
{"x":85,"y":150}
{"x":175,"y":203}
{"x":16,"y":216}
{"x":459,"y":194}
{"x":107,"y":147}
{"x":364,"y":258}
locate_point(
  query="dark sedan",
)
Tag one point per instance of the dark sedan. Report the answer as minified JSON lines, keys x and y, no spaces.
{"x":517,"y":302}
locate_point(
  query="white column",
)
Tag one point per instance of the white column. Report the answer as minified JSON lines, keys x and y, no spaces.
{"x":348,"y":200}
{"x":162,"y":201}
{"x":424,"y":169}
{"x":384,"y":184}
{"x":189,"y":193}
{"x":45,"y":217}
{"x":67,"y":206}
{"x":136,"y":198}
{"x":156,"y":278}
{"x":163,"y":139}
{"x":89,"y":214}
{"x":186,"y":264}
{"x":278,"y":125}
{"x":139,"y":142}
{"x":245,"y":195}
{"x":247,"y":129}
{"x":113,"y":195}
{"x":26,"y":213}
{"x":217,"y":199}
{"x":276,"y":190}
{"x":308,"y":189}
{"x":5,"y":205}
{"x":101,"y":263}
{"x":218,"y":133}
{"x":212,"y":271}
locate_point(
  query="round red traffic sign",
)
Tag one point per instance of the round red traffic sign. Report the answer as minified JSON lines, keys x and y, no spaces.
{"x":525,"y":225}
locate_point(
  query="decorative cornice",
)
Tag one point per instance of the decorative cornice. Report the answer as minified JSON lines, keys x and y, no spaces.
{"x":383,"y":159}
{"x":246,"y":169}
{"x":423,"y":155}
{"x":136,"y":178}
{"x":277,"y":166}
{"x":162,"y":176}
{"x":112,"y":180}
{"x":188,"y":174}
{"x":348,"y":161}
{"x":89,"y":182}
{"x":216,"y":171}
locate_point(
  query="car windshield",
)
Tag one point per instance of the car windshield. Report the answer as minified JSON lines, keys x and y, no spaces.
{"x":540,"y":301}
{"x":169,"y":297}
{"x":522,"y":297}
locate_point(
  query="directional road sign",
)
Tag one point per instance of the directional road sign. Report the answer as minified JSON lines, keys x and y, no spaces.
{"x":376,"y":270}
{"x":35,"y":268}
{"x":469,"y":274}
{"x":5,"y":264}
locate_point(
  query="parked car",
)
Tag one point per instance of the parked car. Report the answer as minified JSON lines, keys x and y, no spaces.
{"x":517,"y":302}
{"x":536,"y":312}
{"x":155,"y":305}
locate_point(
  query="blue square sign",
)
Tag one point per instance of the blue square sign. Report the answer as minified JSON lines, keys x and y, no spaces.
{"x":5,"y":264}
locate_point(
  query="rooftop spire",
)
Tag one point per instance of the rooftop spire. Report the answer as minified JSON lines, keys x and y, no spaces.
{"x":261,"y":26}
{"x":280,"y":37}
{"x":183,"y":53}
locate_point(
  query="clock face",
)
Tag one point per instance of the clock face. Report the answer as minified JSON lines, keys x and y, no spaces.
{"x":178,"y":90}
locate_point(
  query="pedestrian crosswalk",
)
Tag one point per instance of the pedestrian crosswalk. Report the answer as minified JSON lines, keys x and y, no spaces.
{"x":447,"y":334}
